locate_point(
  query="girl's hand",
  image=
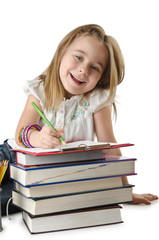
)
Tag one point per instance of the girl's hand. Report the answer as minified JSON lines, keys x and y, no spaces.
{"x":144,"y":198}
{"x":46,"y":138}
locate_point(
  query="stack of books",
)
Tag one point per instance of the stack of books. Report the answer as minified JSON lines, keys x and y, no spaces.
{"x":70,"y":187}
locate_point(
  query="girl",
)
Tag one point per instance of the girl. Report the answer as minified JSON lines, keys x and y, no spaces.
{"x":76,"y":93}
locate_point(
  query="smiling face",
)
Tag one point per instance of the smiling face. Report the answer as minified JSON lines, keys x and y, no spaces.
{"x":83,"y":65}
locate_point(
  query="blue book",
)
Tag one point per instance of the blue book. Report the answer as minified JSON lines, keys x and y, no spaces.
{"x":110,"y":166}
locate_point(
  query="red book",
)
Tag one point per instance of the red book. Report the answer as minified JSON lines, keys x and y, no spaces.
{"x":73,"y":152}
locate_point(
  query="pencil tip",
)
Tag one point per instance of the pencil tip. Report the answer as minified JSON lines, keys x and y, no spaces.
{"x":64,"y":144}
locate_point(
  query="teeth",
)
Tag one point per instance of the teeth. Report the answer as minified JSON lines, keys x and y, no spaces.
{"x":77,"y":78}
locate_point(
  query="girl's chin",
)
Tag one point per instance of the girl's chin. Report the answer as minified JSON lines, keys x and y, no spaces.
{"x":68,"y":95}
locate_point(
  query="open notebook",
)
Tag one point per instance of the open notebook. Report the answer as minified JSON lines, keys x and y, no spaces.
{"x":71,"y":147}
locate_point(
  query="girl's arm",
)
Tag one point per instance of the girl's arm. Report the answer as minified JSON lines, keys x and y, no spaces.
{"x":47,"y":137}
{"x":104,"y":132}
{"x":103,"y":128}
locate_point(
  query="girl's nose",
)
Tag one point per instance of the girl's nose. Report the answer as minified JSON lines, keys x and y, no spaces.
{"x":83,"y":70}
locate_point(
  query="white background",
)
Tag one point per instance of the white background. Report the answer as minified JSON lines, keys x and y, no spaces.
{"x":30,"y":32}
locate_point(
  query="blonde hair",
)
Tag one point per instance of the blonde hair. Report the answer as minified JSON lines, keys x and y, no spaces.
{"x":111,"y":77}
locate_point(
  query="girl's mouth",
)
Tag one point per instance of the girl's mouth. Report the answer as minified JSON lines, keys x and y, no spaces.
{"x":77,"y":80}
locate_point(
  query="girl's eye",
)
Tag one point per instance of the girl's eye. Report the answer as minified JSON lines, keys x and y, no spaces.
{"x":95,"y":68}
{"x":79,"y":58}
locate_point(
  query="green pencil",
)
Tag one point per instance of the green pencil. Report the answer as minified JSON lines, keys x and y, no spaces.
{"x":47,"y":121}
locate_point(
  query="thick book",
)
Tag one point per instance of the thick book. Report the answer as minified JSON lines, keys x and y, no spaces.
{"x":72,"y":187}
{"x":25,"y":159}
{"x":71,"y":202}
{"x":83,"y":218}
{"x":110,"y":166}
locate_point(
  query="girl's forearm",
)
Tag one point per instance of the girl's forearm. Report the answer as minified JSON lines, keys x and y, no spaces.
{"x":125,"y":180}
{"x":117,"y":152}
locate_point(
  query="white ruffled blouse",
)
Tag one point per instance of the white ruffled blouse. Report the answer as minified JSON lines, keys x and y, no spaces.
{"x":74,"y":115}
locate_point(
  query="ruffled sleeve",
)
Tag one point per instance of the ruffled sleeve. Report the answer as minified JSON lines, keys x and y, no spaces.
{"x":36,"y":88}
{"x":98,"y":100}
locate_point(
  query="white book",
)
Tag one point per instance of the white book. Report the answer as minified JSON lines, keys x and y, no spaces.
{"x":54,"y":189}
{"x":26,"y":160}
{"x":90,"y":217}
{"x":71,"y":202}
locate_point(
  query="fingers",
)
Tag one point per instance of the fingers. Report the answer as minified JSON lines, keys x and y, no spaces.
{"x":50,"y":138}
{"x":146,"y":201}
{"x":60,"y":131}
{"x":144,"y":198}
{"x":147,"y":198}
{"x":151,"y":197}
{"x":50,"y":132}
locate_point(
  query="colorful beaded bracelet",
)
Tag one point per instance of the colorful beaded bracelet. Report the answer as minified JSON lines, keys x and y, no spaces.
{"x":23,"y":135}
{"x":20,"y":137}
